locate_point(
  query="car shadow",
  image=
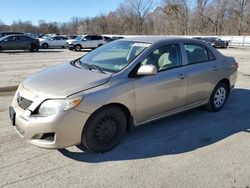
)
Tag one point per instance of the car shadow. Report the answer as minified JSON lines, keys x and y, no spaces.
{"x":84,"y":50}
{"x":177,"y":134}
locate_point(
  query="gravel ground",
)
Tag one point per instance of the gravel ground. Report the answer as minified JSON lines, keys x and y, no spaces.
{"x":192,"y":149}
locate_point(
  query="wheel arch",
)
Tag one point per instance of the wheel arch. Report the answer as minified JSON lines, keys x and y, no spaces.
{"x":79,"y":45}
{"x":226,"y":82}
{"x":124,"y":109}
{"x":45,"y":43}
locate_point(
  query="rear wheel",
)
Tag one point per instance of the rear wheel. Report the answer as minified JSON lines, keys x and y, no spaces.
{"x":33,"y":48}
{"x":36,"y":49}
{"x":218,"y":97}
{"x":1,"y":49}
{"x":78,"y":47}
{"x":105,"y":129}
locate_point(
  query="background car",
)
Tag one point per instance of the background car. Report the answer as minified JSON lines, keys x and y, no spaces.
{"x":19,"y":42}
{"x":216,"y":42}
{"x":87,"y":42}
{"x":197,"y":38}
{"x":2,"y":34}
{"x":54,"y":42}
{"x":78,"y":38}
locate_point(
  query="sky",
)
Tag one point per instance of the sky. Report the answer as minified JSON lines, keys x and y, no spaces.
{"x":53,"y":10}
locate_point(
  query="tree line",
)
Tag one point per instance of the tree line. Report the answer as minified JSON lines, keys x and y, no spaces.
{"x":169,"y":17}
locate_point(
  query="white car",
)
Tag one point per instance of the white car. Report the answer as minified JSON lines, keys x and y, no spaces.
{"x":86,"y":42}
{"x":54,"y":42}
{"x":70,"y":41}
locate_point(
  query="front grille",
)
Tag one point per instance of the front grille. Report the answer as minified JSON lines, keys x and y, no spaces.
{"x":23,"y":103}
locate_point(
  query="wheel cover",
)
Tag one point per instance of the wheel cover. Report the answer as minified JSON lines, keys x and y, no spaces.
{"x":106,"y":129}
{"x":78,"y":48}
{"x":219,"y":97}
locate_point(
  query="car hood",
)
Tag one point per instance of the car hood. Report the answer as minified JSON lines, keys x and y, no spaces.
{"x":41,"y":39}
{"x":63,"y":80}
{"x":71,"y":40}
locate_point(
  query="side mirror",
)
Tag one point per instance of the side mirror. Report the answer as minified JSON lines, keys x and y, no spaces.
{"x":84,"y":39}
{"x":147,"y":70}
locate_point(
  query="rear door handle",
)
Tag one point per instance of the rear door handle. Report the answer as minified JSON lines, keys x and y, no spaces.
{"x":215,"y":68}
{"x":182,"y":76}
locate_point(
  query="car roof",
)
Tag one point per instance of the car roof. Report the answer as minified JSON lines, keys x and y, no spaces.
{"x":156,"y":39}
{"x":14,"y":35}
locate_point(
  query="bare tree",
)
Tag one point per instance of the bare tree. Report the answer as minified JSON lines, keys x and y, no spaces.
{"x":239,"y":10}
{"x":201,"y":8}
{"x":136,"y":12}
{"x":176,"y":17}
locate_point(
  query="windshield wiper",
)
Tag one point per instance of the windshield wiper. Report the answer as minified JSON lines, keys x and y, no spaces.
{"x":96,"y":67}
{"x":92,"y":66}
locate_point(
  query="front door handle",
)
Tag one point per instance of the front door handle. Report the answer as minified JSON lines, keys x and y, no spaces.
{"x":182,"y":76}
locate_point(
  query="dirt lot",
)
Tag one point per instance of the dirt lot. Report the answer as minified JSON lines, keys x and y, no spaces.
{"x":192,"y":149}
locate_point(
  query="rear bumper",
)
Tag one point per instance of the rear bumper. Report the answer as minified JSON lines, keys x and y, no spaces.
{"x":233,"y":78}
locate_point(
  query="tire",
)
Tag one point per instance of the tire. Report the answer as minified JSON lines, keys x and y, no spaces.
{"x":1,"y":50}
{"x":36,"y":49}
{"x":105,"y":129}
{"x":45,"y":46}
{"x":218,"y":97}
{"x":100,"y":45}
{"x":78,"y":47}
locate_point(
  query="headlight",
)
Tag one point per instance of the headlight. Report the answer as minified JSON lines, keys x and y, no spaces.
{"x":50,"y":107}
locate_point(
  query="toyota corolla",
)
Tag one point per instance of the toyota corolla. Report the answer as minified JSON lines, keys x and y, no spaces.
{"x":94,"y":99}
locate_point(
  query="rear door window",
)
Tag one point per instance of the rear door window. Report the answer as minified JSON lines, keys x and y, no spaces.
{"x":23,"y":38}
{"x":88,"y":37}
{"x":57,"y":38}
{"x":198,"y":53}
{"x":95,"y":37}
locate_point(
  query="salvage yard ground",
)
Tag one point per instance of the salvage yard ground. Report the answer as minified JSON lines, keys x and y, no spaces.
{"x":192,"y":149}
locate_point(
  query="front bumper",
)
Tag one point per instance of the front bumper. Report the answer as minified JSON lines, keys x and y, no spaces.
{"x":56,"y":131}
{"x":70,"y":46}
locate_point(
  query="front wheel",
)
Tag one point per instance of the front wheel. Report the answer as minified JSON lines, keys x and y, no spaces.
{"x":78,"y":47}
{"x":45,"y":46}
{"x":105,"y":129}
{"x":218,"y":97}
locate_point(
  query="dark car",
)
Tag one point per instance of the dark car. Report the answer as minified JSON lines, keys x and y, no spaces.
{"x":19,"y":42}
{"x":108,"y":39}
{"x":3,"y":34}
{"x":198,"y":38}
{"x":216,"y":42}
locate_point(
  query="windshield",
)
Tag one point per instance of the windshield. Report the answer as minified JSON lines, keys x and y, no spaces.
{"x":78,"y":38}
{"x":114,"y":56}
